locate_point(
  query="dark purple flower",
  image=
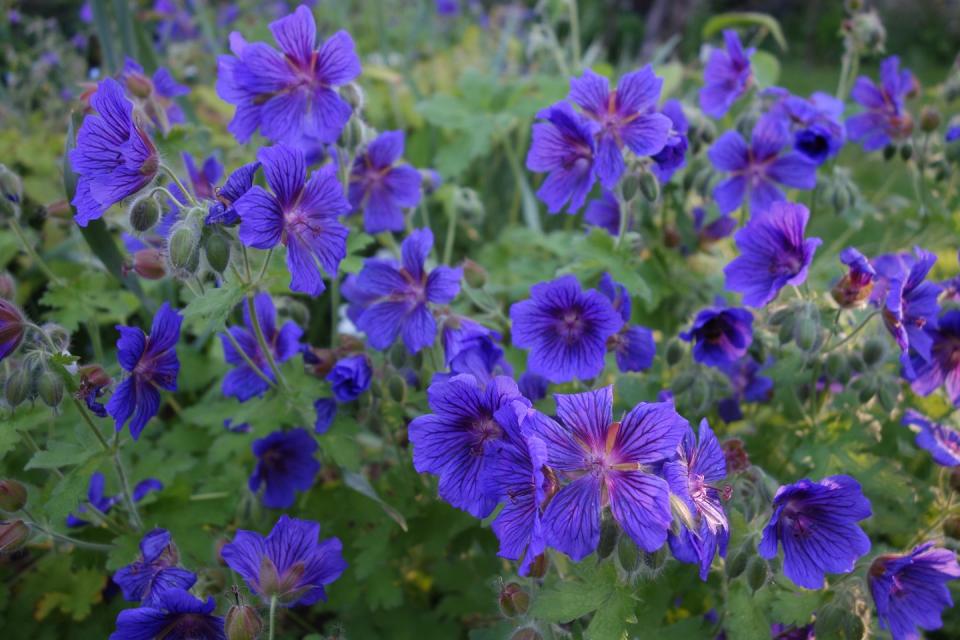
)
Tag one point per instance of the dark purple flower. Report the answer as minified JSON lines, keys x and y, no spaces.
{"x":350,"y":377}
{"x":151,"y":360}
{"x":910,"y":590}
{"x":396,"y":298}
{"x":726,"y":77}
{"x":326,"y":409}
{"x":533,"y":386}
{"x":515,"y":476}
{"x":113,"y":158}
{"x":908,"y":302}
{"x":673,"y":156}
{"x":943,"y":365}
{"x":95,"y":498}
{"x":145,"y":488}
{"x":93,"y":381}
{"x":722,"y":335}
{"x":241,"y":427}
{"x":290,"y":96}
{"x":175,"y":23}
{"x":813,"y":122}
{"x":693,"y":477}
{"x":607,"y":463}
{"x":563,"y":147}
{"x":748,"y":386}
{"x":202,"y":179}
{"x":301,"y":214}
{"x":953,"y":133}
{"x":455,"y":442}
{"x":176,"y":615}
{"x":773,"y":254}
{"x":381,"y":187}
{"x":816,"y":522}
{"x":291,"y":563}
{"x":941,"y":440}
{"x":565,"y":329}
{"x":470,"y":347}
{"x":721,"y":227}
{"x":780,"y":631}
{"x":156,"y":95}
{"x":285,"y":464}
{"x":756,"y":169}
{"x":633,"y":346}
{"x":12,"y":328}
{"x":604,"y":212}
{"x":885,"y":117}
{"x":221,"y":210}
{"x":855,"y":286}
{"x":243,"y":382}
{"x":154,"y":572}
{"x":624,"y":117}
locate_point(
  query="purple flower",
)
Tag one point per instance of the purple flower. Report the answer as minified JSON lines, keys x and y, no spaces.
{"x":722,"y":335}
{"x":455,"y":442}
{"x":241,"y":427}
{"x":909,"y":304}
{"x":221,"y":210}
{"x":673,"y":156}
{"x":154,"y":572}
{"x":470,"y":347}
{"x":718,"y":229}
{"x":151,"y":360}
{"x":910,"y":590}
{"x":301,"y":214}
{"x":607,"y":463}
{"x":604,"y":212}
{"x":943,"y":365}
{"x":95,"y":498}
{"x":175,"y":614}
{"x":395,"y":298}
{"x":758,"y":168}
{"x":113,"y":157}
{"x":941,"y":440}
{"x":625,"y":117}
{"x":291,"y":563}
{"x":156,"y":94}
{"x":855,"y":286}
{"x":726,"y":77}
{"x":381,"y":187}
{"x":748,"y":385}
{"x":515,"y":475}
{"x":145,"y":488}
{"x":285,"y":464}
{"x":693,"y":478}
{"x":953,"y":133}
{"x":243,"y":382}
{"x":885,"y":117}
{"x":814,"y":123}
{"x":533,"y":387}
{"x":773,"y":254}
{"x":816,"y":522}
{"x":12,"y":328}
{"x":326,"y":409}
{"x":565,"y":329}
{"x":350,"y":377}
{"x":563,"y":147}
{"x":289,"y":96}
{"x":633,"y":346}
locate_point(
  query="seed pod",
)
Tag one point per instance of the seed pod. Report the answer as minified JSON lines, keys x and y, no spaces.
{"x":757,"y":572}
{"x":840,"y":199}
{"x":243,"y":623}
{"x":18,"y":387}
{"x":866,"y":393}
{"x":13,"y":535}
{"x":50,"y":388}
{"x":682,"y":382}
{"x":144,"y":214}
{"x":874,"y":351}
{"x":929,"y":119}
{"x":631,"y":185}
{"x":216,"y":248}
{"x":628,"y":555}
{"x":514,"y":601}
{"x":836,"y":366}
{"x":856,"y":363}
{"x":183,"y":249}
{"x":785,"y":334}
{"x":13,"y":495}
{"x":737,"y":563}
{"x":889,"y":151}
{"x":674,"y":352}
{"x":149,"y":264}
{"x":906,"y":151}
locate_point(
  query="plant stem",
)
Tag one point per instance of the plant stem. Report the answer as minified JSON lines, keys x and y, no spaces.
{"x":574,"y":33}
{"x":31,"y":252}
{"x":451,"y":235}
{"x":262,"y":341}
{"x":263,"y":267}
{"x":850,"y":335}
{"x":80,"y":544}
{"x":125,"y":486}
{"x":273,"y":617}
{"x":334,"y":307}
{"x":250,"y":363}
{"x":173,"y":177}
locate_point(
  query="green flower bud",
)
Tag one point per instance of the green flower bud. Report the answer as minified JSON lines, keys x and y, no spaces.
{"x":757,"y":573}
{"x":737,"y":563}
{"x":866,"y":393}
{"x":13,"y":535}
{"x":836,"y":366}
{"x":889,"y":151}
{"x":13,"y":495}
{"x":183,"y":250}
{"x":398,"y":356}
{"x":874,"y":350}
{"x":806,"y":333}
{"x":631,"y":185}
{"x":699,"y":394}
{"x":397,"y":388}
{"x":856,"y":363}
{"x":929,"y":119}
{"x":785,"y":334}
{"x":353,"y":95}
{"x":474,"y":274}
{"x":906,"y":151}
{"x":18,"y":387}
{"x":144,"y":214}
{"x":216,"y":248}
{"x":682,"y":382}
{"x":674,"y":353}
{"x":628,"y":555}
{"x":608,"y":538}
{"x":888,"y":394}
{"x":50,"y":388}
{"x":514,"y":601}
{"x":243,"y":623}
{"x":840,"y":199}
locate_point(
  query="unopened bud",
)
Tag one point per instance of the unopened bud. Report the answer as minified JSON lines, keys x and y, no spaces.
{"x":756,"y":573}
{"x":608,"y":538}
{"x":929,"y":119}
{"x":674,"y":352}
{"x":737,"y":563}
{"x":514,"y":601}
{"x":217,"y":250}
{"x":13,"y":495}
{"x":649,"y":186}
{"x":183,"y":250}
{"x":836,"y":366}
{"x":889,"y":151}
{"x":806,"y":331}
{"x":12,"y":328}
{"x":397,"y":388}
{"x":18,"y":386}
{"x":630,"y":186}
{"x":139,"y":85}
{"x":874,"y":351}
{"x":906,"y":151}
{"x":735,"y":455}
{"x":868,"y":30}
{"x":144,"y":214}
{"x":474,"y":274}
{"x":13,"y":535}
{"x":243,"y":623}
{"x":94,"y":375}
{"x":353,"y":95}
{"x":889,"y":394}
{"x":539,"y":566}
{"x":50,"y":388}
{"x":56,"y":334}
{"x":149,"y":264}
{"x":8,"y":286}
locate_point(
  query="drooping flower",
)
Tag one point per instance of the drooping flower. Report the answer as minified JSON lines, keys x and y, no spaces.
{"x":562,"y":146}
{"x":607,"y":463}
{"x":565,"y":329}
{"x":154,"y":572}
{"x":943,"y":365}
{"x":604,"y":212}
{"x":773,"y":254}
{"x":624,"y":117}
{"x":243,"y":381}
{"x":12,"y":328}
{"x":290,"y":96}
{"x":381,"y":187}
{"x":855,"y":286}
{"x":726,"y":77}
{"x":152,"y":364}
{"x":350,"y":377}
{"x":285,"y":465}
{"x":941,"y":440}
{"x":145,"y":487}
{"x":710,"y":232}
{"x":721,"y":335}
{"x":910,"y":590}
{"x":885,"y":117}
{"x":533,"y":386}
{"x":908,"y":302}
{"x":114,"y":158}
{"x":633,"y":346}
{"x":756,"y":169}
{"x":516,"y":476}
{"x":300,"y":214}
{"x":693,"y":477}
{"x":175,"y":614}
{"x":326,"y":410}
{"x":813,"y":122}
{"x":748,"y":386}
{"x":470,"y":347}
{"x":93,"y":381}
{"x":673,"y":156}
{"x":95,"y":498}
{"x":455,"y":442}
{"x":221,"y":210}
{"x":816,"y":522}
{"x":291,"y":563}
{"x":155,"y":95}
{"x":395,"y":298}
{"x":202,"y":179}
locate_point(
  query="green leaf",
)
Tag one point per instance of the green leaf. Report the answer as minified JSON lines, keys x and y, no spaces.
{"x":766,"y":69}
{"x":66,"y":494}
{"x":212,"y":309}
{"x":571,"y":599}
{"x":86,"y":589}
{"x":795,"y":607}
{"x":360,"y":484}
{"x":88,"y":296}
{"x":718,"y":23}
{"x":610,"y":620}
{"x":60,"y":455}
{"x":747,"y":620}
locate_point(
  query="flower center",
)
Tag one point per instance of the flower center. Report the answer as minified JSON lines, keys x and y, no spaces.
{"x":570,"y":325}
